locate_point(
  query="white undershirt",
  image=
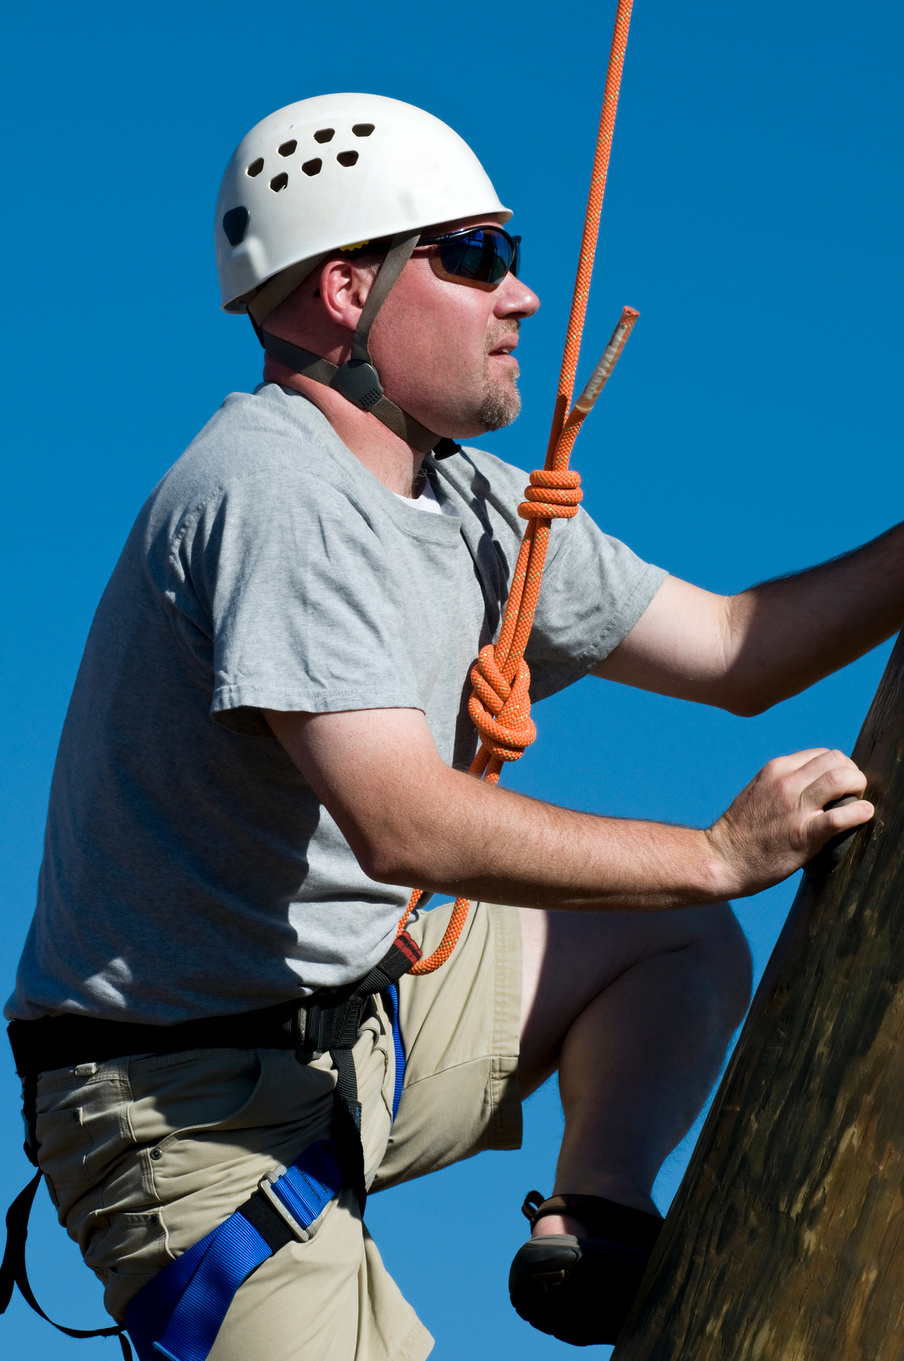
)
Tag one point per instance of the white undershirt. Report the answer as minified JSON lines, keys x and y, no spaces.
{"x":426,"y":501}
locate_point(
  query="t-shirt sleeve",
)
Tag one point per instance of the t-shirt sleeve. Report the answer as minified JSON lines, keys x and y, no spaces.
{"x":301,"y":607}
{"x":593,"y":593}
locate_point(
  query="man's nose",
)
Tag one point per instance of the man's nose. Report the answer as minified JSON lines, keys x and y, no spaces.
{"x":514,"y":298}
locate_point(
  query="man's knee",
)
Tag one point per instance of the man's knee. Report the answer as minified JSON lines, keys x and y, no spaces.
{"x":570,"y":959}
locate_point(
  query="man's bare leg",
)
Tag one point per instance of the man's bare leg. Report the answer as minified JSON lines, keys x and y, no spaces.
{"x":636,"y":1010}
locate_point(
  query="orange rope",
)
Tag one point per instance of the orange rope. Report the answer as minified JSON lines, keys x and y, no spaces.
{"x":500,"y":701}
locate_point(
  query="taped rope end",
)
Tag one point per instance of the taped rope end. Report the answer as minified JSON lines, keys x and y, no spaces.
{"x":600,"y":376}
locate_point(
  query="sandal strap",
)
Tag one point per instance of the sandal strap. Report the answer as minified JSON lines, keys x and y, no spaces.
{"x":531,"y":1206}
{"x":601,"y":1218}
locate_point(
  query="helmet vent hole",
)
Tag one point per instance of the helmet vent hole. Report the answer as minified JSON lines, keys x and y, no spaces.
{"x":347,"y":157}
{"x":363,"y":129}
{"x":279,"y":182}
{"x":325,"y":135}
{"x":255,"y":167}
{"x":312,"y":167}
{"x":235,"y":225}
{"x":287,"y":148}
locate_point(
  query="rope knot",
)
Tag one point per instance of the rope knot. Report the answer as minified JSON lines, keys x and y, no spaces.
{"x":499,"y":709}
{"x":552,"y":495}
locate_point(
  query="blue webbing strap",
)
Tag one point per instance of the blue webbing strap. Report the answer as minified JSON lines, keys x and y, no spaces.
{"x":392,"y":996}
{"x":228,"y":1259}
{"x":178,"y":1314}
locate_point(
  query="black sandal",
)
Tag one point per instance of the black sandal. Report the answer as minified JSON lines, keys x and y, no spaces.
{"x":580,"y":1289}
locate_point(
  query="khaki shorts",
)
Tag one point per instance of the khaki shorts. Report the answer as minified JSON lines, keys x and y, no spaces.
{"x":143,"y":1156}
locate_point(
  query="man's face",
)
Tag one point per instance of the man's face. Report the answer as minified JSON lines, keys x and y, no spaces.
{"x":444,"y":347}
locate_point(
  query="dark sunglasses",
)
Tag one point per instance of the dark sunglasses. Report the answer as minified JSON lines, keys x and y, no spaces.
{"x":482,"y":254}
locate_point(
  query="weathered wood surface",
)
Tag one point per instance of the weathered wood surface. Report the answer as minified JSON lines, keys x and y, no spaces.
{"x":786,"y":1239}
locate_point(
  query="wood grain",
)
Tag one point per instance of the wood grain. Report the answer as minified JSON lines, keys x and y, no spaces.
{"x":786,"y":1239}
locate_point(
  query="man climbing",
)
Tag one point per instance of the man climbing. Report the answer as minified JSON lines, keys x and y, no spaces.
{"x":266,"y":749}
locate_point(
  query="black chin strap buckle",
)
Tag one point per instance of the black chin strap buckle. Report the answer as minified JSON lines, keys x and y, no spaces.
{"x":358,"y":382}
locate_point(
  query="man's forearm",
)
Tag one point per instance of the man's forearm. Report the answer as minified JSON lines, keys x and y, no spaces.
{"x":409,"y":819}
{"x":789,"y":633}
{"x":483,"y":842}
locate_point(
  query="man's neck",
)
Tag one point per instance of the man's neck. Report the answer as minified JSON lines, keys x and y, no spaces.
{"x":392,"y":461}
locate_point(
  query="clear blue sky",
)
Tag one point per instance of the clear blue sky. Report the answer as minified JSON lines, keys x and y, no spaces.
{"x":753,"y":426}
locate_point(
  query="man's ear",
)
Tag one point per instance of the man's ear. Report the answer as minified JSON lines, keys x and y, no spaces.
{"x":343,"y":288}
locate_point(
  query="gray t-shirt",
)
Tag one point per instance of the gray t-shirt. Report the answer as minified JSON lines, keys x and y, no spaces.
{"x":189,"y":870}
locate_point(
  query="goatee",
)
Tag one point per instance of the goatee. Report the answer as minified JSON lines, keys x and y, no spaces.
{"x":499,"y":409}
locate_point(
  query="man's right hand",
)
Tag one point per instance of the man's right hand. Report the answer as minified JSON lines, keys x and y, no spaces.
{"x":780,"y":821}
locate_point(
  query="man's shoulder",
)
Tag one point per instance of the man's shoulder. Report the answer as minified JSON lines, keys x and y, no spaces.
{"x":261,"y":433}
{"x":263,"y":446}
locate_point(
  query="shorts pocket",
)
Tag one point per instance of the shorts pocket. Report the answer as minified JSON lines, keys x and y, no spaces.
{"x":79,"y":1113}
{"x":174,"y":1094}
{"x":127,"y":1243}
{"x":64,"y":1144}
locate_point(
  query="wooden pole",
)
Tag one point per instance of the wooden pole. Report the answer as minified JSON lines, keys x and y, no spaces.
{"x":786,"y":1238}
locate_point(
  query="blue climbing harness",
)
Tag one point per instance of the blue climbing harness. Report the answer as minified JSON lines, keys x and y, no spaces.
{"x":178,"y":1314}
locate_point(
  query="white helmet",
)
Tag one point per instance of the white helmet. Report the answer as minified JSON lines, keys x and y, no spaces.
{"x":331,"y":172}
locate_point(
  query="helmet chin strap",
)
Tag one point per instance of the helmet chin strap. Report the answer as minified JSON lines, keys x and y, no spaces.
{"x":357,"y":380}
